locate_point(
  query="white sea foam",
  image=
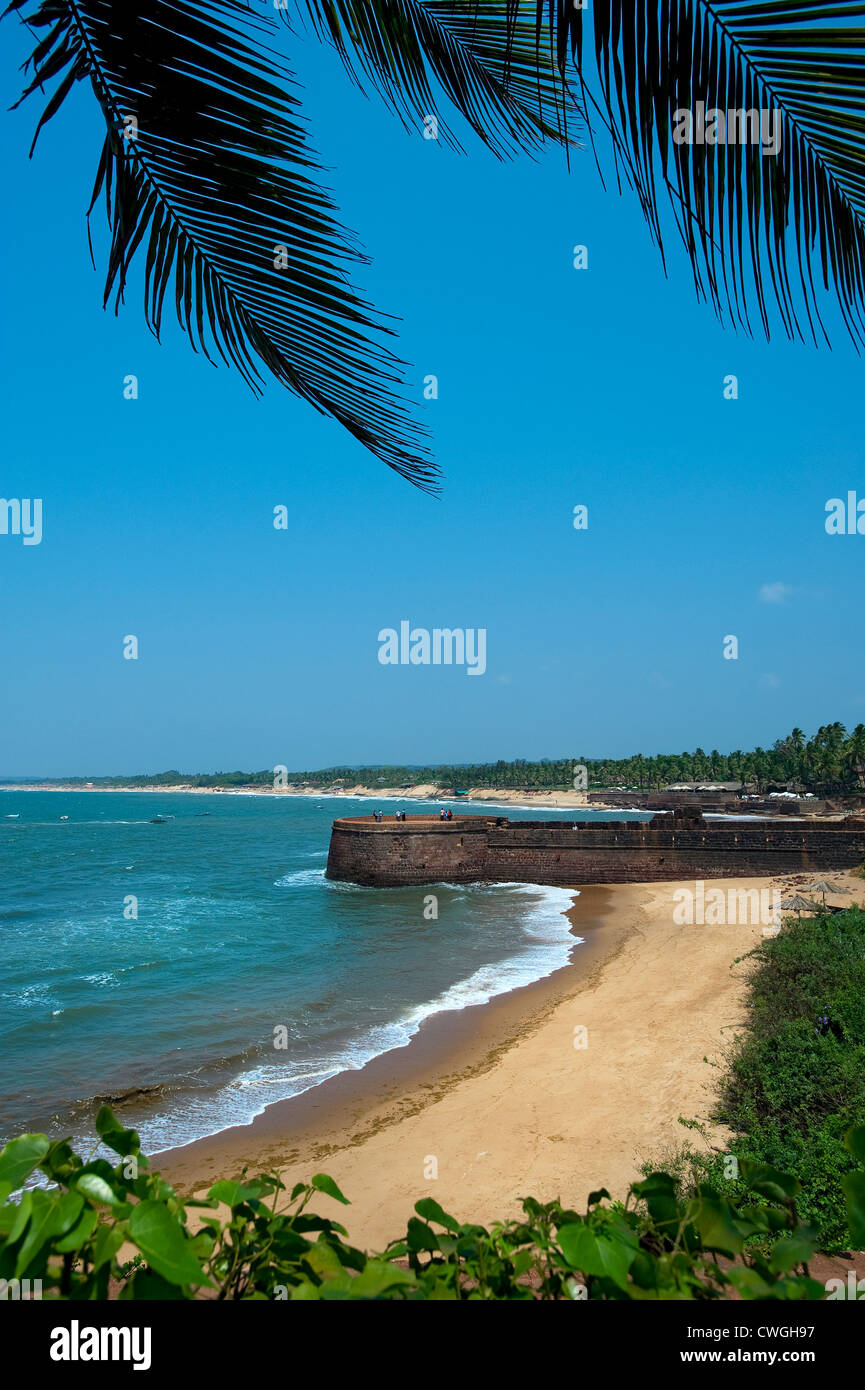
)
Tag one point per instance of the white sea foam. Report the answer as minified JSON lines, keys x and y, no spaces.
{"x":547,"y":946}
{"x":37,"y":996}
{"x":300,"y":878}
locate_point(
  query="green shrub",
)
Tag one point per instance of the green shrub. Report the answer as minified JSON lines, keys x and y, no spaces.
{"x":796,"y":1079}
{"x":657,"y":1245}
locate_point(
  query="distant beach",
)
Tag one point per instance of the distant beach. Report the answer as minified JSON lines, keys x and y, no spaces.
{"x":494,"y":796}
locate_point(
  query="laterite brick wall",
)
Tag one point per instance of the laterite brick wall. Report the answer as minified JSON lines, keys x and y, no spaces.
{"x":471,"y":849}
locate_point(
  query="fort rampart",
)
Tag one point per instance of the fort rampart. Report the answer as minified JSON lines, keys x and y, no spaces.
{"x":484,"y":848}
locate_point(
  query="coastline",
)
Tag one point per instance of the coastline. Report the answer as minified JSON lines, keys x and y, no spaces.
{"x":426,"y":792}
{"x":446,"y":1045}
{"x":500,"y":1097}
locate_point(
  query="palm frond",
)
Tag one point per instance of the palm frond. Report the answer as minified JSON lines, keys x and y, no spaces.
{"x":217,"y":180}
{"x":757,"y":227}
{"x":489,"y":58}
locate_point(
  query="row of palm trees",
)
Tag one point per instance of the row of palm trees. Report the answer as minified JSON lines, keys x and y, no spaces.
{"x":832,"y":761}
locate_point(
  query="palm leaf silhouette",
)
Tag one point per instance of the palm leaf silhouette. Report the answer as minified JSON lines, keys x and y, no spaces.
{"x":756,"y":227}
{"x":218,"y":182}
{"x":221,"y":174}
{"x":486,"y":56}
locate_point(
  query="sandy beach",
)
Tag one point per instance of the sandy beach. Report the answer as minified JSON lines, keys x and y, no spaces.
{"x":421,"y":792}
{"x":558,"y":1088}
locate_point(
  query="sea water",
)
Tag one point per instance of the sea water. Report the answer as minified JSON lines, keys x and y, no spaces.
{"x":194,"y":971}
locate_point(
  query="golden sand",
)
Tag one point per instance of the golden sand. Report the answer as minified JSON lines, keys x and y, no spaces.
{"x":499,"y":1103}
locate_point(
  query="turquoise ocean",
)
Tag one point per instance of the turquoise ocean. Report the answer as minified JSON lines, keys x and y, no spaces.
{"x":239,"y":942}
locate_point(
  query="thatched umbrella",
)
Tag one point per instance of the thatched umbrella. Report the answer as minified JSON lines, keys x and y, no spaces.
{"x":798,"y":904}
{"x":821,"y":886}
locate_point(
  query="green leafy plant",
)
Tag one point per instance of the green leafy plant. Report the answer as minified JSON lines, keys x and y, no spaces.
{"x":103,"y":1230}
{"x":795,"y":1081}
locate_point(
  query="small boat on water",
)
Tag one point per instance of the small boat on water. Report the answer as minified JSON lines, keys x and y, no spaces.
{"x":157,"y":820}
{"x":64,"y":817}
{"x":13,"y":815}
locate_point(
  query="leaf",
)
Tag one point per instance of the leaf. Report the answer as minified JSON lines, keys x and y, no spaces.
{"x":595,"y":1254}
{"x":38,"y":1230}
{"x":768,"y":1181}
{"x":658,"y":1191}
{"x":21,"y":1218}
{"x":749,"y":1283}
{"x":163,"y":1244}
{"x":854,"y":1142}
{"x":786,"y":1254}
{"x":111,"y":1132}
{"x":94,"y":1186}
{"x":106,"y":1243}
{"x":304,"y":1292}
{"x":52,"y":1214}
{"x":713,"y":1219}
{"x":81,"y":1232}
{"x":233,"y":1194}
{"x":483,"y":56}
{"x":324,"y":1261}
{"x":755,"y":226}
{"x":150,"y":1287}
{"x":219,"y":193}
{"x":431,"y":1211}
{"x":595,"y":1198}
{"x":853,"y":1186}
{"x":322,"y":1183}
{"x":378,"y":1276}
{"x":21,"y":1157}
{"x":60,"y":1162}
{"x":420,"y":1236}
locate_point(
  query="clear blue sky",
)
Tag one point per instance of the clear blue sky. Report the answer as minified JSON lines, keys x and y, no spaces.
{"x":557,"y":387}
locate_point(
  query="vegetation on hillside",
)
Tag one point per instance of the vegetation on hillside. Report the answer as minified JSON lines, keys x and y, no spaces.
{"x":796,"y":1078}
{"x":794,"y":1082}
{"x":832,"y":761}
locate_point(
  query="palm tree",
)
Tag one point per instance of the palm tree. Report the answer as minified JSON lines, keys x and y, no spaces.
{"x":206,"y":161}
{"x":854,"y":753}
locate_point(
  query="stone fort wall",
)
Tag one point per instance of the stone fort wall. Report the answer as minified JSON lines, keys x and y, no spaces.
{"x":471,"y":849}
